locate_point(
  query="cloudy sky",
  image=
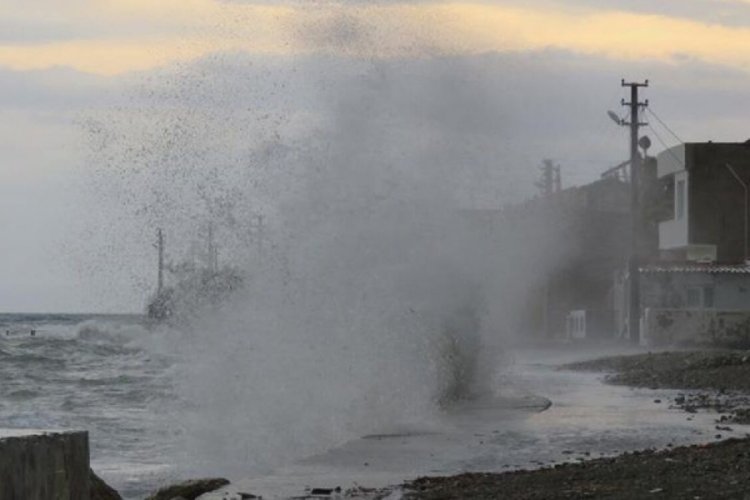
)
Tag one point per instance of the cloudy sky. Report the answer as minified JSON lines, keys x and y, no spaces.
{"x":513,"y":81}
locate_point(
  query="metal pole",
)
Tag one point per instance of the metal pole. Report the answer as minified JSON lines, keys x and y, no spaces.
{"x":744,"y":187}
{"x":634,"y":309}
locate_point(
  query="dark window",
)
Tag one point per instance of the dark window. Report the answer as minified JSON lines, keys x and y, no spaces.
{"x":708,"y":297}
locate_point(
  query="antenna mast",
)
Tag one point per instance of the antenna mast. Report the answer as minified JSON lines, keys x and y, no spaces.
{"x":213,"y":253}
{"x":160,"y":248}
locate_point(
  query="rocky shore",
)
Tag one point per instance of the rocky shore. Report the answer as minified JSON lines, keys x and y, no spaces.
{"x":715,"y":381}
{"x":718,"y":470}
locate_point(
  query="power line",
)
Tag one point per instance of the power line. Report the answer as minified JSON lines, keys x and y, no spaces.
{"x":651,"y":112}
{"x":667,"y":147}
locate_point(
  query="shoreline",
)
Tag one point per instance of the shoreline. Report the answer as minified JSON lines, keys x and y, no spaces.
{"x":589,"y":421}
{"x":714,"y":470}
{"x":714,"y":382}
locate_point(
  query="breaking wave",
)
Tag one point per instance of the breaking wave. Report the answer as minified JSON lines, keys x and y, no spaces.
{"x":370,"y":298}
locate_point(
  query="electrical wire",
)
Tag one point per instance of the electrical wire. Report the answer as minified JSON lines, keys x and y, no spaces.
{"x":666,"y":147}
{"x":651,"y":112}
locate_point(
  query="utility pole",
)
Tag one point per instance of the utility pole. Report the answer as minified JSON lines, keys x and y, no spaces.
{"x":213,"y":252}
{"x":160,"y":249}
{"x":634,"y":309}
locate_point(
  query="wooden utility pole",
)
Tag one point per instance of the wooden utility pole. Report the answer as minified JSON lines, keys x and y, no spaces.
{"x":634,"y":303}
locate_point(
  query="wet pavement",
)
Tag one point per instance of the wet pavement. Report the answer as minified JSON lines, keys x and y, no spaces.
{"x":542,"y":416}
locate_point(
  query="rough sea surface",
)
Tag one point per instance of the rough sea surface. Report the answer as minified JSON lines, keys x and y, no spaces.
{"x":96,"y":373}
{"x":122,"y":380}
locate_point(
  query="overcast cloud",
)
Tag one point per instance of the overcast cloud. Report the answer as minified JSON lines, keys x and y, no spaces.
{"x":499,"y":112}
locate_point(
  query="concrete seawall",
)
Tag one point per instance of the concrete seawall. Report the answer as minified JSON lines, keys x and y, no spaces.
{"x":44,"y":465}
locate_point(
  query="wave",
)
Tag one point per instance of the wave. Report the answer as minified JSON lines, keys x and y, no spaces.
{"x":110,"y":331}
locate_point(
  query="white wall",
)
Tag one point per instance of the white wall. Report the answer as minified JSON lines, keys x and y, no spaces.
{"x":668,"y":327}
{"x":670,"y":161}
{"x":674,"y":233}
{"x":732,"y":292}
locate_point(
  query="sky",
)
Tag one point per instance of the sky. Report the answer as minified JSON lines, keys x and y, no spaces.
{"x":514,"y":81}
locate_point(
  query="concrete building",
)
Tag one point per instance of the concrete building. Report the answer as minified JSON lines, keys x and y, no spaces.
{"x":693,"y":303}
{"x":697,"y":290}
{"x":580,"y":236}
{"x":706,"y":184}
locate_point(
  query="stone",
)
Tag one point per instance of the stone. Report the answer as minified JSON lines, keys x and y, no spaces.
{"x":189,"y":490}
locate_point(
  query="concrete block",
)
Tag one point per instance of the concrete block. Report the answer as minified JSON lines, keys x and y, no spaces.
{"x":44,"y":465}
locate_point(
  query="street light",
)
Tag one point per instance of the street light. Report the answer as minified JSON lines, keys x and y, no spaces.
{"x":615,"y":118}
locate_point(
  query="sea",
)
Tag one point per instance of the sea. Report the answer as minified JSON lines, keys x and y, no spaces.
{"x":122,"y":379}
{"x":97,"y":373}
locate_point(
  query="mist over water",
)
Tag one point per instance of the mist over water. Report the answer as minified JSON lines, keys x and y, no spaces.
{"x":373,"y":295}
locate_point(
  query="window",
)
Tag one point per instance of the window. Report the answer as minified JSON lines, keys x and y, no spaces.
{"x":680,"y":200}
{"x":694,"y":297}
{"x":700,"y":297}
{"x":708,"y":297}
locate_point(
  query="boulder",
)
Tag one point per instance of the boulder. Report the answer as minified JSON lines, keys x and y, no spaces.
{"x":189,"y":490}
{"x":99,"y":490}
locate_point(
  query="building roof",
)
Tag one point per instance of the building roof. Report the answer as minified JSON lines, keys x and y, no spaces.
{"x":686,"y":267}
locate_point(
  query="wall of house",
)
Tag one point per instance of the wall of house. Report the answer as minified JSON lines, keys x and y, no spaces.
{"x":686,"y":327}
{"x":591,"y":239}
{"x":671,"y":290}
{"x":714,"y":200}
{"x":671,"y":160}
{"x":717,"y":199}
{"x":732,"y":291}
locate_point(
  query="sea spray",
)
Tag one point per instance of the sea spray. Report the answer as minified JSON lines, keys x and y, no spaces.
{"x":372,"y":322}
{"x":373,"y":293}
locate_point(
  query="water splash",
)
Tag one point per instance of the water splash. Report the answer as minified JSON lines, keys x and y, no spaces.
{"x":372,"y":293}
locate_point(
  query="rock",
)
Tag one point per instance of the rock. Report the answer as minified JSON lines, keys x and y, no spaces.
{"x":99,"y":490}
{"x":189,"y":490}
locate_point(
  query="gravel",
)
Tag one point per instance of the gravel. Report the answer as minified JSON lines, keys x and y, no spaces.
{"x":719,"y":470}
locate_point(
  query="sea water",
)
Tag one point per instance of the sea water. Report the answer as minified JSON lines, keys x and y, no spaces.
{"x":125,"y":381}
{"x":96,"y":373}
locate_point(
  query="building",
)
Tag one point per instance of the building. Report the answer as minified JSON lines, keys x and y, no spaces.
{"x":580,"y":237}
{"x":707,"y":186}
{"x":697,"y":289}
